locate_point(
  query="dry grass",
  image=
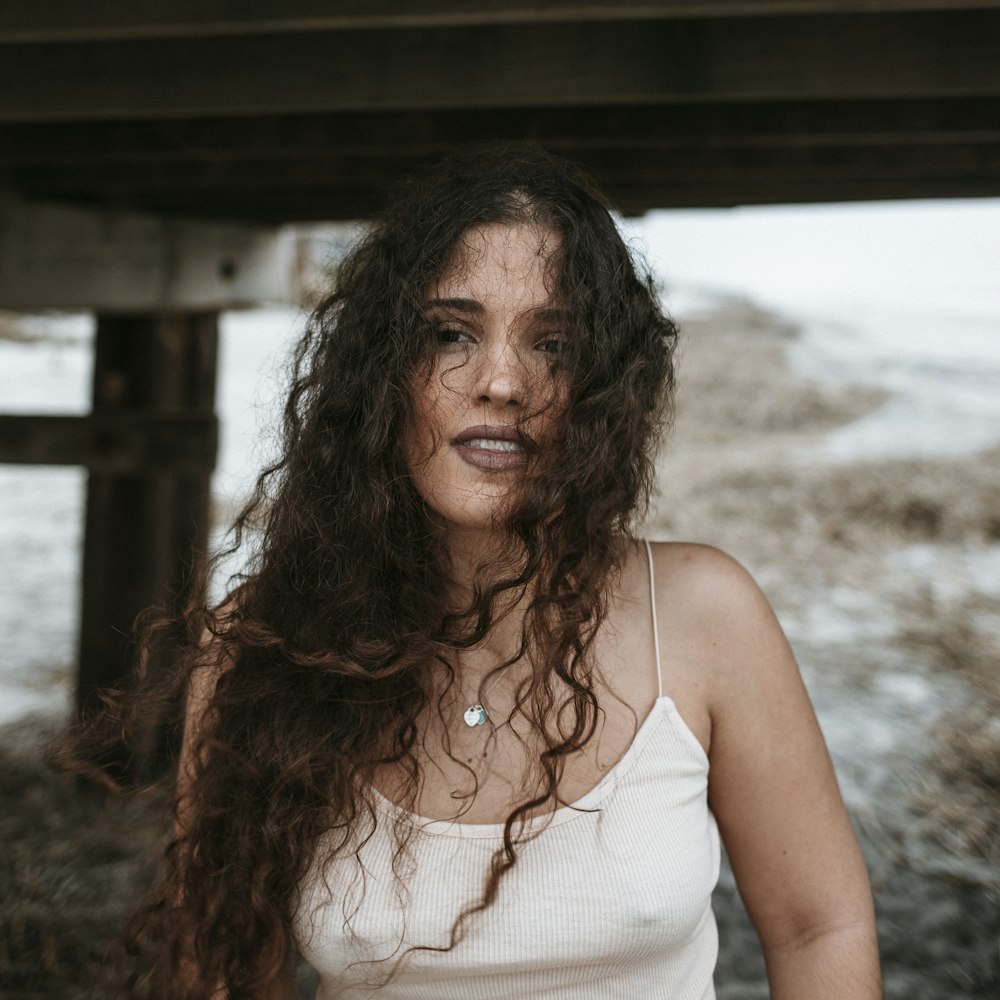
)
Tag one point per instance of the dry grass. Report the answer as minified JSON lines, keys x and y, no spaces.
{"x":74,"y":864}
{"x":883,"y":505}
{"x":736,"y":388}
{"x":959,"y":797}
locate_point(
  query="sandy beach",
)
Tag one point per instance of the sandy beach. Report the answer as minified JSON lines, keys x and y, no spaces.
{"x":886,"y":576}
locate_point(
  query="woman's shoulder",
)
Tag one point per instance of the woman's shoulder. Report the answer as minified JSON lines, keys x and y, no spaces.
{"x":716,"y":627}
{"x":704,"y":580}
{"x":673,"y":557}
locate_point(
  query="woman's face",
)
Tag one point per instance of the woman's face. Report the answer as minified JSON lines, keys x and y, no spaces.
{"x":494,"y":394}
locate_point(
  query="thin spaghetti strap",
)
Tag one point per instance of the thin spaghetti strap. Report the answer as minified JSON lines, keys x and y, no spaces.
{"x":652,"y":608}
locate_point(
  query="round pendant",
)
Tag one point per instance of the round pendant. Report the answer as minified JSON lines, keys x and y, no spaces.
{"x":475,"y":715}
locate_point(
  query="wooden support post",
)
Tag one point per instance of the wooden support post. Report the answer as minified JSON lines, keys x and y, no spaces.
{"x":144,"y":528}
{"x":134,"y":443}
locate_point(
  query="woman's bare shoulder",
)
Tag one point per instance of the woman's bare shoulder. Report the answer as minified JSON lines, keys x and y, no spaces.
{"x":671,"y":558}
{"x":704,"y":580}
{"x":714,"y":619}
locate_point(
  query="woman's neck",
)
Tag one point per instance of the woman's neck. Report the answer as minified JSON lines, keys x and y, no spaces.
{"x":469,"y":553}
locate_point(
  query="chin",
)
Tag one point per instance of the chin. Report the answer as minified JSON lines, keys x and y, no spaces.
{"x":468,"y":510}
{"x":464,"y":499}
{"x":481,"y":516}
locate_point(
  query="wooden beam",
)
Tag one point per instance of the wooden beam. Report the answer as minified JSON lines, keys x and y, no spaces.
{"x":726,"y":189}
{"x":708,"y":178}
{"x":922,"y":54}
{"x":731,"y":192}
{"x":258,"y":178}
{"x":56,"y":257}
{"x":632,"y":196}
{"x":127,"y":443}
{"x":351,"y":187}
{"x":27,"y":146}
{"x":22,"y":21}
{"x":144,"y":531}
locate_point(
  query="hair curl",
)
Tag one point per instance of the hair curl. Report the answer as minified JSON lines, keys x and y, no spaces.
{"x":336,"y":637}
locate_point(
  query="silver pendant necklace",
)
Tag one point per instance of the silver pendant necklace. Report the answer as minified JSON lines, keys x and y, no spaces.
{"x":476,"y":715}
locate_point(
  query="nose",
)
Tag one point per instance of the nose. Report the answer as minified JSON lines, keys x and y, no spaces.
{"x":502,"y":378}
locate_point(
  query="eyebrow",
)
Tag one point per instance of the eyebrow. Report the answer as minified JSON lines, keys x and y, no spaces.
{"x":470,"y":306}
{"x":546,"y":314}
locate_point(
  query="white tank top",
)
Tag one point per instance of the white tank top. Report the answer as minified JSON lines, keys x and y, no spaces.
{"x":611,"y":900}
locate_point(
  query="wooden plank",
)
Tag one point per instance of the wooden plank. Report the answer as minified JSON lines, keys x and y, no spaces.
{"x":728,"y":191}
{"x":258,"y":179}
{"x":130,"y":442}
{"x":25,"y":146}
{"x":781,"y":58}
{"x":57,"y":257}
{"x":285,"y":168}
{"x":795,"y":175}
{"x":634,"y":197}
{"x":22,"y":21}
{"x":351,"y":187}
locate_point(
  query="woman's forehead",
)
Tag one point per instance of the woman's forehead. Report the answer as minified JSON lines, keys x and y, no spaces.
{"x":500,"y":260}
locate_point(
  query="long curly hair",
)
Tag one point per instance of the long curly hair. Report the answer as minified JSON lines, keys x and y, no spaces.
{"x":341,"y":630}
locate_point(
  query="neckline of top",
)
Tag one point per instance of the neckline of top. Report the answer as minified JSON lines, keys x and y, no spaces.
{"x":456,"y":828}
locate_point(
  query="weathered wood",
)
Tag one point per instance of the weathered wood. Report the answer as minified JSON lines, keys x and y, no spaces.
{"x":727,"y":59}
{"x":130,"y":442}
{"x":144,"y":532}
{"x":720,"y":191}
{"x":725,"y":189}
{"x":25,"y":147}
{"x":352,"y":186}
{"x":643,"y":163}
{"x":339,"y":166}
{"x":310,"y":111}
{"x":59,"y":257}
{"x":22,"y":21}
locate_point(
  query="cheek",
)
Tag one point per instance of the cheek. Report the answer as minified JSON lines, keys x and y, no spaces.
{"x":418,"y":444}
{"x":427,"y":423}
{"x":553,"y":412}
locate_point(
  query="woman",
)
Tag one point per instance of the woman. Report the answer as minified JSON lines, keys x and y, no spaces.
{"x":458,"y":733}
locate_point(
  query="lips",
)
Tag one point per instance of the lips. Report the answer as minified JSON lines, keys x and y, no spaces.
{"x":492,"y":448}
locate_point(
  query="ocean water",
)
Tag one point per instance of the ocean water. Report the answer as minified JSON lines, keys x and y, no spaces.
{"x":903,"y":296}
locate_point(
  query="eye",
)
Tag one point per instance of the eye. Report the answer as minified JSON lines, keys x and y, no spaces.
{"x":447,"y":335}
{"x":555,"y":344}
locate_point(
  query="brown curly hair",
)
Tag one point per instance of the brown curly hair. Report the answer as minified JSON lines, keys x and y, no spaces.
{"x":335,"y":638}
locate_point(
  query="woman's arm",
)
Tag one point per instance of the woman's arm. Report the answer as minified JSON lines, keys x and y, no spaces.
{"x":774,"y":794}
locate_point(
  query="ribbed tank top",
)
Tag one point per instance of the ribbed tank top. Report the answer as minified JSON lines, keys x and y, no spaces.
{"x":612,"y":899}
